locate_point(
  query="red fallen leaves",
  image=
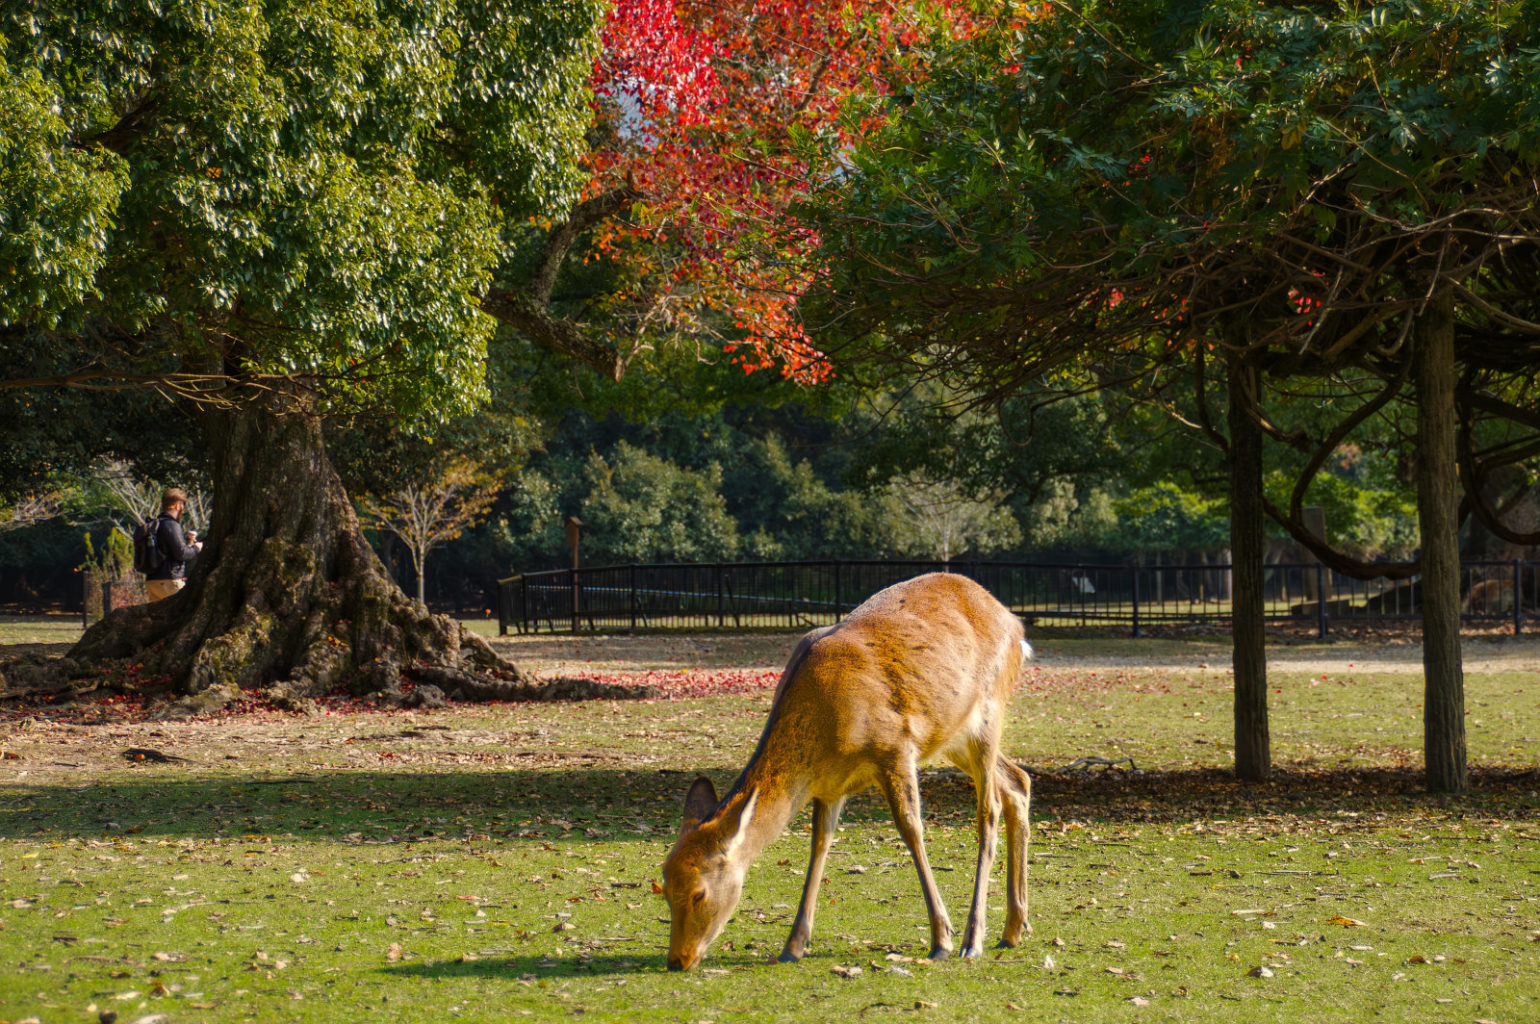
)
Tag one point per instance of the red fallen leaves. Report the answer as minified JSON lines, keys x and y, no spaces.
{"x":108,"y":708}
{"x":111,"y":708}
{"x":675,"y":685}
{"x":694,"y":683}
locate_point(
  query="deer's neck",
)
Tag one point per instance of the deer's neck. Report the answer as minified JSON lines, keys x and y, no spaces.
{"x":771,"y":791}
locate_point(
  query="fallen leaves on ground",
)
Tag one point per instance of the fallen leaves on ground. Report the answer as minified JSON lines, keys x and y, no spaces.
{"x":107,"y":708}
{"x":681,"y":684}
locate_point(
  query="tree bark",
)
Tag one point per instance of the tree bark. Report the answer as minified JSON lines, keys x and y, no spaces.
{"x":1435,"y":375}
{"x":1253,"y":746}
{"x":288,"y":599}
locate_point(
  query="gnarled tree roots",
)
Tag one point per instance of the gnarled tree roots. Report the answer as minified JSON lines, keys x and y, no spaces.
{"x":287,"y":602}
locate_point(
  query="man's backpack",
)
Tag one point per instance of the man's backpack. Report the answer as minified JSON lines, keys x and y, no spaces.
{"x":147,"y":553}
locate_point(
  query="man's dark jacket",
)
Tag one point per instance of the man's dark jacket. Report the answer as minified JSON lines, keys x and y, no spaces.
{"x":174,"y":549}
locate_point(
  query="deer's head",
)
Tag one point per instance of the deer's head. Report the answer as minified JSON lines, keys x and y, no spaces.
{"x":703,"y":874}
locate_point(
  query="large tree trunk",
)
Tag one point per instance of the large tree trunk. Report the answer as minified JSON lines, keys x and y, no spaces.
{"x":288,"y":599}
{"x":1439,"y":523}
{"x":1253,"y":747}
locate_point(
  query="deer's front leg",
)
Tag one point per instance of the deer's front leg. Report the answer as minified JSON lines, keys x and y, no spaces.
{"x":902,"y":787}
{"x":826,"y":818}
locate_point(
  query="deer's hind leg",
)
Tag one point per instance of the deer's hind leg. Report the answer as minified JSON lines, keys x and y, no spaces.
{"x":1015,"y":787}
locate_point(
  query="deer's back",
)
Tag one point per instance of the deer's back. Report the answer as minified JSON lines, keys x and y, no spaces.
{"x":920,"y":663}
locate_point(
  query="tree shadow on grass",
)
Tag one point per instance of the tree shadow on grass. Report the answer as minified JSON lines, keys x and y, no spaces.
{"x":642,"y":805}
{"x":1200,"y":794}
{"x":352,"y":806}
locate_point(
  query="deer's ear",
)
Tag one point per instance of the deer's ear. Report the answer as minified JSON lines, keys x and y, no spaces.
{"x":745,"y":819}
{"x":699,"y":803}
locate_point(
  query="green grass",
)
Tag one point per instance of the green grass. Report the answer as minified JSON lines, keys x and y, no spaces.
{"x":66,"y":629}
{"x":40,"y":629}
{"x":497,"y":864}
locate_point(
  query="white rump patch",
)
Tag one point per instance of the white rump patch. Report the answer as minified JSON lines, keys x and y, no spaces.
{"x":1026,"y":651}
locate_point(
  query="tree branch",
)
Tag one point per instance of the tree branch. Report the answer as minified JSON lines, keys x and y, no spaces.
{"x":1474,"y":472}
{"x":521,"y":312}
{"x":585,"y":215}
{"x":1332,"y":440}
{"x":1336,"y":560}
{"x":529,"y":311}
{"x":121,"y":136}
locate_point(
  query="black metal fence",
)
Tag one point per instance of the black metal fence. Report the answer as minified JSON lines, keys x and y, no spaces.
{"x":801,"y":595}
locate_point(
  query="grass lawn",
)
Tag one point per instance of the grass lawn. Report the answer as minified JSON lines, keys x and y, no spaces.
{"x":58,"y":628}
{"x":497,"y":862}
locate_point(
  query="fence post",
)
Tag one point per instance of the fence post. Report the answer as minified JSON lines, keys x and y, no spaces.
{"x":577,"y":600}
{"x":836,"y":590}
{"x":1517,"y":598}
{"x":1320,"y":599}
{"x":721,"y":600}
{"x":1134,"y":571}
{"x":633,"y":597}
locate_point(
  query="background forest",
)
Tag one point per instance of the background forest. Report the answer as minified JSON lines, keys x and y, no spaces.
{"x":697,"y":461}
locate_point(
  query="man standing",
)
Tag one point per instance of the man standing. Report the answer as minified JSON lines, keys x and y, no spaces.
{"x":176,"y":548}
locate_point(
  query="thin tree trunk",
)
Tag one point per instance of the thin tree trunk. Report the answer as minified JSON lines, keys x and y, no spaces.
{"x":1253,"y":746}
{"x":1439,"y":523}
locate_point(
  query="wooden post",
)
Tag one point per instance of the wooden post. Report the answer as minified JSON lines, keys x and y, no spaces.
{"x":574,"y":530}
{"x":1313,"y":518}
{"x":1134,"y":572}
{"x":1518,"y":599}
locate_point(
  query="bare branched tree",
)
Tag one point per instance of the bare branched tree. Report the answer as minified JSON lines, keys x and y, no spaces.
{"x":32,"y":508}
{"x":136,"y":500}
{"x":946,"y":521}
{"x":427,"y":513}
{"x":133,"y":498}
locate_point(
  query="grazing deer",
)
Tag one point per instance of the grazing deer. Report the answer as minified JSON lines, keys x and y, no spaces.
{"x":922,"y":669}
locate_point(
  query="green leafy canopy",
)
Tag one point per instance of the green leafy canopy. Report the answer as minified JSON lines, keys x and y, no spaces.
{"x":1100,"y":172}
{"x":311,"y":189}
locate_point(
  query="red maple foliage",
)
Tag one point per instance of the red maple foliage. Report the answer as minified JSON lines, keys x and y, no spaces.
{"x":700,"y":107}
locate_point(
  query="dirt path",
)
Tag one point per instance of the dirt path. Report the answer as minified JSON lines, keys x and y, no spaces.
{"x":547,"y":653}
{"x":662,"y":652}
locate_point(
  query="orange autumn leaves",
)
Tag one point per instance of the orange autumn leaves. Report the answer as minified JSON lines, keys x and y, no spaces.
{"x":700,"y":108}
